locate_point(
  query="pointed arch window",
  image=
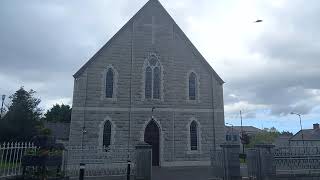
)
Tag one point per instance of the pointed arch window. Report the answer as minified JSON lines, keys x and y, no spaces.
{"x":107,"y":134}
{"x":194,"y":136}
{"x":152,"y":78}
{"x":109,"y":83}
{"x":192,"y":86}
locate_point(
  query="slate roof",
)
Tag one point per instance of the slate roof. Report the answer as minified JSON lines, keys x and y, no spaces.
{"x":308,"y":135}
{"x":282,"y":140}
{"x":192,"y":47}
{"x":59,"y":130}
{"x":248,"y":129}
{"x":251,"y":130}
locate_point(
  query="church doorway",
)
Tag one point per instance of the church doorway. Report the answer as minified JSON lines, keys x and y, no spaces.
{"x":152,"y":137}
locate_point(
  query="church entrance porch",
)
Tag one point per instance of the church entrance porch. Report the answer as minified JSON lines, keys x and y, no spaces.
{"x":152,"y":137}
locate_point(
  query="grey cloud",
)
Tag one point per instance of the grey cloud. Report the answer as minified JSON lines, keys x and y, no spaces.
{"x":45,"y":42}
{"x":291,"y":48}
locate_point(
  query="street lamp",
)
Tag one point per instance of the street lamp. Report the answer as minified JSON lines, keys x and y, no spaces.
{"x":3,"y":98}
{"x":300,"y":125}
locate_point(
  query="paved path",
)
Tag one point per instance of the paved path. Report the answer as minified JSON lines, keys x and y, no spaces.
{"x":180,"y":173}
{"x":163,"y":173}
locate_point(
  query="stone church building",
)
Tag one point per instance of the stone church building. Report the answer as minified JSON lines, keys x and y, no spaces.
{"x":149,"y":83}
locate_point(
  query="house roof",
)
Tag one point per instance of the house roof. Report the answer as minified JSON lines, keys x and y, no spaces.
{"x":193,"y":48}
{"x":282,"y":140}
{"x":249,"y":129}
{"x":308,"y":135}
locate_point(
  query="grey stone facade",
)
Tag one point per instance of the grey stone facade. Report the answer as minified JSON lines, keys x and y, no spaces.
{"x":130,"y":112}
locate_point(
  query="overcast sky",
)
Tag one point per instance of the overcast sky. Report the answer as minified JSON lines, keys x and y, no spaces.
{"x":270,"y":68}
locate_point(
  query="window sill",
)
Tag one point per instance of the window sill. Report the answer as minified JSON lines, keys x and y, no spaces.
{"x":192,"y":101}
{"x":107,"y":150}
{"x":152,"y":100}
{"x":109,"y":99}
{"x":193,"y":152}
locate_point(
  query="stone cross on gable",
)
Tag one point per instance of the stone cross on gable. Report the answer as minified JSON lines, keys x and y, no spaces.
{"x":154,"y":27}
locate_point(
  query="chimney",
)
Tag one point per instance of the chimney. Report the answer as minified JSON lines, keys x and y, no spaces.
{"x":316,"y":126}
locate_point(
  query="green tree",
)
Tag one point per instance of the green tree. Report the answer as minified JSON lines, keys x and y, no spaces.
{"x":286,"y":133}
{"x":22,"y":118}
{"x":267,"y":136}
{"x":58,"y":113}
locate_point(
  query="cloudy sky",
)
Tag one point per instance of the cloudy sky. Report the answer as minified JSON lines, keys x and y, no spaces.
{"x":270,"y":68}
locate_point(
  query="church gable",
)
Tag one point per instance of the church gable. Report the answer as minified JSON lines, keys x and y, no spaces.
{"x":149,"y":78}
{"x":152,"y":19}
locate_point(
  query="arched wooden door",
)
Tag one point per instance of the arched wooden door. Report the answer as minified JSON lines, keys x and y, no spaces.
{"x":152,"y":137}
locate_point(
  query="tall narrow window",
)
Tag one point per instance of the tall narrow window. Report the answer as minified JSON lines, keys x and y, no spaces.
{"x":148,"y":88}
{"x":156,"y":83}
{"x":192,"y":86}
{"x":152,"y":78}
{"x":109,"y":83}
{"x":107,"y":134}
{"x":193,"y":136}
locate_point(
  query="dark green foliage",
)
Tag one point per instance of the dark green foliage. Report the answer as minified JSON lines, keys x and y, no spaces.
{"x":21,"y":121}
{"x":245,"y":139}
{"x":267,"y":136}
{"x":286,"y":133}
{"x":58,"y":113}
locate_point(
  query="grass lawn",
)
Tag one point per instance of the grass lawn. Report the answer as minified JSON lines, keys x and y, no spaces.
{"x":6,"y":165}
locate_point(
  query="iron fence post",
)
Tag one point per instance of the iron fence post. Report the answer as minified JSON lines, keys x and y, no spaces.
{"x":81,"y":173}
{"x":128,"y":169}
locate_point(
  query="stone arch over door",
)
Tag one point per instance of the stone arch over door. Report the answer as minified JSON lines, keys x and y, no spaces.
{"x":152,"y":137}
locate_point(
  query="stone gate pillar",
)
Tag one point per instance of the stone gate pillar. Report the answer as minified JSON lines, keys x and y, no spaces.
{"x":143,"y":164}
{"x":253,"y":163}
{"x":266,"y":166}
{"x":231,"y":161}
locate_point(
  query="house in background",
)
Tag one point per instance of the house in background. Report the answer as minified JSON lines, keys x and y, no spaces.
{"x":282,"y":140}
{"x":306,"y":137}
{"x":250,"y":130}
{"x":233,"y":133}
{"x":59,"y":130}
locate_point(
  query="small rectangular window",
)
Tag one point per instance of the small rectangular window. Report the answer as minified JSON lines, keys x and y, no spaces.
{"x":235,"y":138}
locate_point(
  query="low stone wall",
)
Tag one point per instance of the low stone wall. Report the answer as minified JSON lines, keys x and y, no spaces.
{"x":298,"y":177}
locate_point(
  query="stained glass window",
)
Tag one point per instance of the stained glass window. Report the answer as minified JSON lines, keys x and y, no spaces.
{"x":152,"y":79}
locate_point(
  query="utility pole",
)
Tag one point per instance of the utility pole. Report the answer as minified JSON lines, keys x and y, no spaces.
{"x":241,"y":132}
{"x":300,"y":125}
{"x":241,"y":121}
{"x":3,"y":98}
